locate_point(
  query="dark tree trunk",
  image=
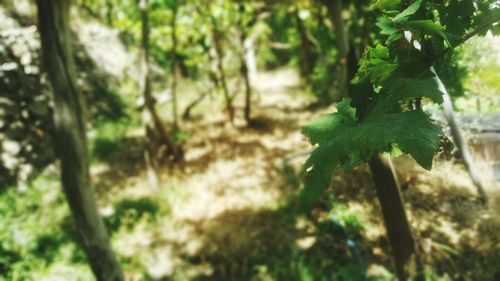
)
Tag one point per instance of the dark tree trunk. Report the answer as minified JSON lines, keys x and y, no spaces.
{"x":304,"y":47}
{"x":244,"y":66}
{"x":217,"y":38}
{"x":393,"y":211}
{"x":174,"y":67}
{"x":70,"y":139}
{"x":187,"y":112}
{"x":335,"y":12}
{"x":159,"y":141}
{"x":109,"y":12}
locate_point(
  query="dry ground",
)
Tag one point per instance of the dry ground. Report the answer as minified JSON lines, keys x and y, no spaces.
{"x":224,"y":205}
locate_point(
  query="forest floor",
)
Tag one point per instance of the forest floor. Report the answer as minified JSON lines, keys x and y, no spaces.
{"x":222,"y":215}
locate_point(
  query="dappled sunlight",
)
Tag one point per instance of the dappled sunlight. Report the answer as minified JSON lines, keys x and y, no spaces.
{"x":196,"y":151}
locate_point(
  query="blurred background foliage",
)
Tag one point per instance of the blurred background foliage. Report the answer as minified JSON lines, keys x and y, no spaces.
{"x":208,"y":221}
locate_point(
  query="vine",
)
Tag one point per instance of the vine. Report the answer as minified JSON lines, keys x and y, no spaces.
{"x":383,"y":112}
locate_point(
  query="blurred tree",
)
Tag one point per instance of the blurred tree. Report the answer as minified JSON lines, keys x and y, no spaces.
{"x":160,"y":144}
{"x":174,"y":70}
{"x":216,"y":21}
{"x":342,"y":42}
{"x":70,"y":138}
{"x":243,"y":29}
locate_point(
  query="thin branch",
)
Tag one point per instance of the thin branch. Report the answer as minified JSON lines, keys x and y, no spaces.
{"x":468,"y":36}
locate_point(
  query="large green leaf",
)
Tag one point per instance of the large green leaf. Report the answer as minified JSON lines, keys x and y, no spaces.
{"x":402,"y":89}
{"x":322,"y":129}
{"x":349,"y":143}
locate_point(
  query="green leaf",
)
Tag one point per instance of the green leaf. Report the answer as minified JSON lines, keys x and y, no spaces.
{"x":402,"y":89}
{"x":389,"y":28}
{"x":384,"y":5}
{"x":427,"y":26}
{"x":412,"y":9}
{"x":322,"y":129}
{"x":349,"y":143}
{"x":376,"y":66}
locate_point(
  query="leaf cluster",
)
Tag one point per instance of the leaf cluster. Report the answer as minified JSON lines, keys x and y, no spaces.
{"x":383,"y":113}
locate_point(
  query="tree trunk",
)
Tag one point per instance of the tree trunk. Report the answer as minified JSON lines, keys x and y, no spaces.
{"x":459,"y":141}
{"x":187,"y":112}
{"x":304,"y":47}
{"x":109,"y":12}
{"x":70,"y":139}
{"x":389,"y":195}
{"x":335,"y":12}
{"x":217,"y":38}
{"x":159,"y":142}
{"x":244,"y":66}
{"x":393,"y":211}
{"x":174,"y":67}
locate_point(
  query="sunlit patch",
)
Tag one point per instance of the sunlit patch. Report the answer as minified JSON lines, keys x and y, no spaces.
{"x":306,"y":242}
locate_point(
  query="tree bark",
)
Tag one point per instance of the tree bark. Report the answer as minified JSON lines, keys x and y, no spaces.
{"x":335,"y":12}
{"x":393,"y":211}
{"x":458,"y":139}
{"x":70,"y":139}
{"x":174,"y":67}
{"x":159,"y":144}
{"x":187,"y":112}
{"x":109,"y":12}
{"x":304,"y":47}
{"x":244,"y":66}
{"x":217,"y":38}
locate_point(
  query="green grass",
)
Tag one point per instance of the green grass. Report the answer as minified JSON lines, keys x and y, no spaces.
{"x":35,"y":231}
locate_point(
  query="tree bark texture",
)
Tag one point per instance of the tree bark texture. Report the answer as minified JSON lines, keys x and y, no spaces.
{"x":70,"y":139}
{"x":335,"y":13}
{"x":393,"y":211}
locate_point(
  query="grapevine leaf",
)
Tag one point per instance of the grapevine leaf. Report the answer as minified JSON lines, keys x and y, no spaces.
{"x":376,"y":66}
{"x":385,"y":4}
{"x":349,"y":143}
{"x":428,"y":26}
{"x":389,"y":28}
{"x":456,"y":17}
{"x":322,"y":129}
{"x":412,"y":9}
{"x":402,"y":89}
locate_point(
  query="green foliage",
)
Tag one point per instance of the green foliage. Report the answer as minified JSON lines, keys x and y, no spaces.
{"x":479,"y":68}
{"x":393,"y":79}
{"x":35,"y":231}
{"x":128,"y":212}
{"x":376,"y":66}
{"x":107,"y":138}
{"x":343,"y":142}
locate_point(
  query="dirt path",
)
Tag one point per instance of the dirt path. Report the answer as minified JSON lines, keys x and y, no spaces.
{"x":222,"y":203}
{"x":223,"y":216}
